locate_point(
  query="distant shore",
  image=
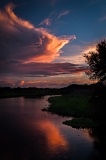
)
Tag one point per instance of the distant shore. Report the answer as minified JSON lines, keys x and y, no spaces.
{"x":33,"y":92}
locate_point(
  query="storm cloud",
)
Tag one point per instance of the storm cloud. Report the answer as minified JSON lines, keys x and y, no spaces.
{"x":22,"y":41}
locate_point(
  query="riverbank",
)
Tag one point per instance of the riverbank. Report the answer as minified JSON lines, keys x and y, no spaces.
{"x":79,"y":106}
{"x":72,"y":106}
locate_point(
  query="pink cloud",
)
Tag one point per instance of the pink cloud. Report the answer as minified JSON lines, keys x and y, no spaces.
{"x":57,"y":81}
{"x":7,"y":82}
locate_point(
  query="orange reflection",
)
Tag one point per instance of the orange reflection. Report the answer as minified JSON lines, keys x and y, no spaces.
{"x":55,"y":139}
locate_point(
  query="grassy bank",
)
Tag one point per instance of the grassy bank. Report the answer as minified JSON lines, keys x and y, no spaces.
{"x":68,"y":105}
{"x":81,"y":123}
{"x":76,"y":106}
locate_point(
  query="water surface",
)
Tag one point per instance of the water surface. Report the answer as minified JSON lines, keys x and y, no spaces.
{"x":28,"y":133}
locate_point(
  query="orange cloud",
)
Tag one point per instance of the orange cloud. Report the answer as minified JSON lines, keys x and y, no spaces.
{"x":30,"y":44}
{"x":51,"y":48}
{"x":19,"y":83}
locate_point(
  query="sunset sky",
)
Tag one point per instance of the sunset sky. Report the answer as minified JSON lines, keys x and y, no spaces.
{"x":42,"y":42}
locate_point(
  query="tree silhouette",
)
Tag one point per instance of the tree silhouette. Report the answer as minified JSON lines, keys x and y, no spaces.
{"x":97,"y":62}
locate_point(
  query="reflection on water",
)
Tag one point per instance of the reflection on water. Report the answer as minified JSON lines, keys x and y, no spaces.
{"x":54,"y":139}
{"x":27,"y":133}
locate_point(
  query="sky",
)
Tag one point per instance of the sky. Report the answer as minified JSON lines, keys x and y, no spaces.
{"x":42,"y":42}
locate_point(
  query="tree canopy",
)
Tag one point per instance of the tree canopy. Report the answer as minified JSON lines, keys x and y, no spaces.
{"x":97,"y":62}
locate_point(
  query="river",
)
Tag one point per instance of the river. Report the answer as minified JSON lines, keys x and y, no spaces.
{"x":28,"y":133}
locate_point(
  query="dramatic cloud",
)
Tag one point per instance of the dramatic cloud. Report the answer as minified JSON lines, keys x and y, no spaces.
{"x":21,"y":41}
{"x":27,"y":53}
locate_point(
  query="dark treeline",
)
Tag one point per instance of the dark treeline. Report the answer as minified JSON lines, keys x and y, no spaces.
{"x":32,"y":92}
